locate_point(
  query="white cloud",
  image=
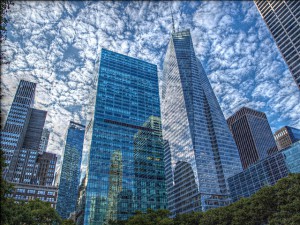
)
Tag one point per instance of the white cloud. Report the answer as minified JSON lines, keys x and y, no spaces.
{"x":56,"y":44}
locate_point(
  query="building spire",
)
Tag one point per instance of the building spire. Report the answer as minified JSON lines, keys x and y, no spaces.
{"x":173,"y":24}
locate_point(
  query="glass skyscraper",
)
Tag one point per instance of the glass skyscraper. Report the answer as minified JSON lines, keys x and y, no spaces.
{"x":15,"y":126}
{"x":70,"y":172}
{"x":126,"y":169}
{"x":30,"y":172}
{"x":200,"y":153}
{"x":283,"y":21}
{"x":252,"y":134}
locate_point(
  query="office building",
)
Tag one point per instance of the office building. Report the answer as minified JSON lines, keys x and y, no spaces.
{"x":30,"y":172}
{"x":126,"y":114}
{"x":70,"y":170}
{"x":282,"y":19}
{"x":46,"y":163}
{"x":200,"y":153}
{"x":22,"y":165}
{"x":265,"y":172}
{"x":80,"y":206}
{"x":286,"y":136}
{"x":27,"y":192}
{"x":252,"y":134}
{"x":15,"y":126}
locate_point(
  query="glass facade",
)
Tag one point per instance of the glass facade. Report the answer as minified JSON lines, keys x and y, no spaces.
{"x":252,"y":134}
{"x":70,"y":172}
{"x":126,"y":169}
{"x":15,"y":126}
{"x":21,"y":137}
{"x":282,"y":19}
{"x":265,"y":172}
{"x":200,"y":153}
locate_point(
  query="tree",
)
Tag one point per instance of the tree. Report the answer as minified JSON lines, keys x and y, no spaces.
{"x":5,"y":189}
{"x":68,"y":222}
{"x":188,"y":218}
{"x":158,"y":217}
{"x":41,"y":213}
{"x":288,"y":201}
{"x":4,"y":5}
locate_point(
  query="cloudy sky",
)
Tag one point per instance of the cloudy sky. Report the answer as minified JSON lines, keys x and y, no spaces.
{"x":56,"y":44}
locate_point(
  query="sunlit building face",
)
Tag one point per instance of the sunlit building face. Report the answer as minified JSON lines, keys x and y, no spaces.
{"x":200,"y":153}
{"x":126,"y":167}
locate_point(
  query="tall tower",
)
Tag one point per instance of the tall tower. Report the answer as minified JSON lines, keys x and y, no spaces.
{"x":127,"y":96}
{"x":200,"y":153}
{"x":252,"y":134}
{"x":21,"y":168}
{"x":70,"y":172}
{"x":16,"y":122}
{"x":283,"y":21}
{"x":31,"y":173}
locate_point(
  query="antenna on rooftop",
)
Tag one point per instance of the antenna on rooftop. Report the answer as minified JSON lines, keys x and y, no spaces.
{"x":173,"y":24}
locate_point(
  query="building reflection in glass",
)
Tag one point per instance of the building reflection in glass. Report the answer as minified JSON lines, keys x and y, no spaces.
{"x":115,"y":184}
{"x":125,"y":129}
{"x":149,"y":166}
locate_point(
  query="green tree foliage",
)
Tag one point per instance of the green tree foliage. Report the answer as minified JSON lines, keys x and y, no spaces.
{"x":188,"y":218}
{"x":158,"y":217}
{"x":34,"y":212}
{"x":4,"y":7}
{"x":68,"y":222}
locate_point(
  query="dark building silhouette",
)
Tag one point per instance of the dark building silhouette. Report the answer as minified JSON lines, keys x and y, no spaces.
{"x":252,"y":134}
{"x":46,"y":162}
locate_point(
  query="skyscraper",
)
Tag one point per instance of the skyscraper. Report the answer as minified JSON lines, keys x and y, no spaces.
{"x":252,"y":134}
{"x":22,"y":165}
{"x":70,"y":171}
{"x":126,"y":149}
{"x":282,"y":19}
{"x":31,"y":173}
{"x":15,"y":126}
{"x":286,"y":136}
{"x":200,"y":153}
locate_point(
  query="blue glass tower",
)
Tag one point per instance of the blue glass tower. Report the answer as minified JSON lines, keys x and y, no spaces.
{"x":70,"y":172}
{"x":126,"y":169}
{"x":200,"y":153}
